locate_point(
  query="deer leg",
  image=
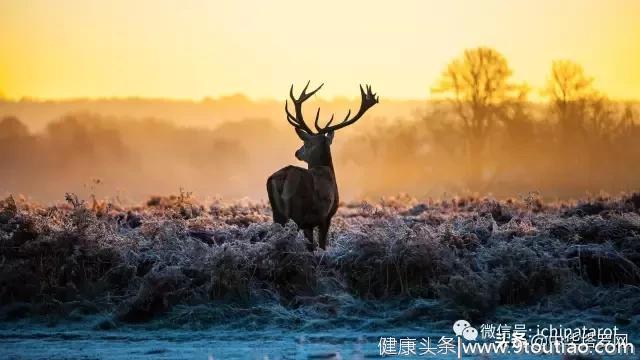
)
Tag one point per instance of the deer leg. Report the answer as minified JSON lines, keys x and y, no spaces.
{"x":276,"y":207}
{"x":278,"y":218}
{"x":322,"y":234}
{"x":308,"y":233}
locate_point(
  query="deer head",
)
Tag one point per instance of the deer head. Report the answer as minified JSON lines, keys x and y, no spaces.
{"x":316,"y":148}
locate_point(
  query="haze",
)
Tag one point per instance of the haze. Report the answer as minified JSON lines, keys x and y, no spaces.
{"x":126,"y":100}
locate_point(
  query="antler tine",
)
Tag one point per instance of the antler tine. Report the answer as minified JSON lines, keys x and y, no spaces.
{"x":315,"y":123}
{"x":298,"y":120}
{"x":293,"y":98}
{"x":317,"y":126}
{"x":305,"y":87}
{"x":330,"y":121}
{"x":368,"y":100}
{"x":347,"y":117}
{"x":299,"y":124}
{"x":305,"y":96}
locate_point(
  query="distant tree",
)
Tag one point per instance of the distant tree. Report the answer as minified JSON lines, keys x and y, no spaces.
{"x":12,"y":127}
{"x":479,"y":85}
{"x":567,"y":84}
{"x":628,"y":116}
{"x":572,"y":95}
{"x":591,"y":129}
{"x":600,"y":120}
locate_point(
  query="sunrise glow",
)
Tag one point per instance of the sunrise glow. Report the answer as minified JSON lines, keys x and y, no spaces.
{"x":193,"y":49}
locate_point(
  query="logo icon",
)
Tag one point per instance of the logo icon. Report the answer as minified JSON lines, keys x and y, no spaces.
{"x":470,"y":334}
{"x":463,"y":328}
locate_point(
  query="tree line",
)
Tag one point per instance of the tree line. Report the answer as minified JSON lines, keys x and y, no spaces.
{"x":480,"y":132}
{"x":483,"y":134}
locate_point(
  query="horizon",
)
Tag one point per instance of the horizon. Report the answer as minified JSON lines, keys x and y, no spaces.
{"x":117,"y":50}
{"x":338,"y":98}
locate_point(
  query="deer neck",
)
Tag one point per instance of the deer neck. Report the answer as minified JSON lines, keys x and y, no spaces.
{"x":322,"y":161}
{"x":324,"y":181}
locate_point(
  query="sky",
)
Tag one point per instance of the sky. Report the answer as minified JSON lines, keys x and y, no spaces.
{"x":193,"y":49}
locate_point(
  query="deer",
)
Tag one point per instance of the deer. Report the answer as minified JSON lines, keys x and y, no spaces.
{"x":309,"y":196}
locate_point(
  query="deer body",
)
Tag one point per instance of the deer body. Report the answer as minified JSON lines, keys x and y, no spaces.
{"x":310,"y":197}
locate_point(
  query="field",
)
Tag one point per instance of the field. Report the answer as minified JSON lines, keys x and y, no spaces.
{"x":179,"y":264}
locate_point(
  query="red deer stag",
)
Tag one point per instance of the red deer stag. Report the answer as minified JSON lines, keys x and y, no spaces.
{"x":309,"y":197}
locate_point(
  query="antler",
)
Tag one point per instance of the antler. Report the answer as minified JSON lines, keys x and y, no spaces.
{"x":298,"y":121}
{"x":368,"y":100}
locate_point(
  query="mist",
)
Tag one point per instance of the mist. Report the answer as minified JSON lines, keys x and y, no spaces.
{"x":422,"y":152}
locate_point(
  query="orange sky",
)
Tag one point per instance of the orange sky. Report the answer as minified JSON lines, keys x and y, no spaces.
{"x":192,"y":49}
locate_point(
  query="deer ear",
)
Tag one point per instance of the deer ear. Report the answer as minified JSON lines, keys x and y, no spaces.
{"x":302,"y":135}
{"x":330,"y":136}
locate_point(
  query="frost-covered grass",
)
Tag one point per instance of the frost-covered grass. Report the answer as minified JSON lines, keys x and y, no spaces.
{"x":186,"y":262}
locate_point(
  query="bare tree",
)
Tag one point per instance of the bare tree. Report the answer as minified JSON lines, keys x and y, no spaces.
{"x":571,"y":92}
{"x":582,"y":111}
{"x":12,"y":127}
{"x":479,"y":85}
{"x":567,"y":84}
